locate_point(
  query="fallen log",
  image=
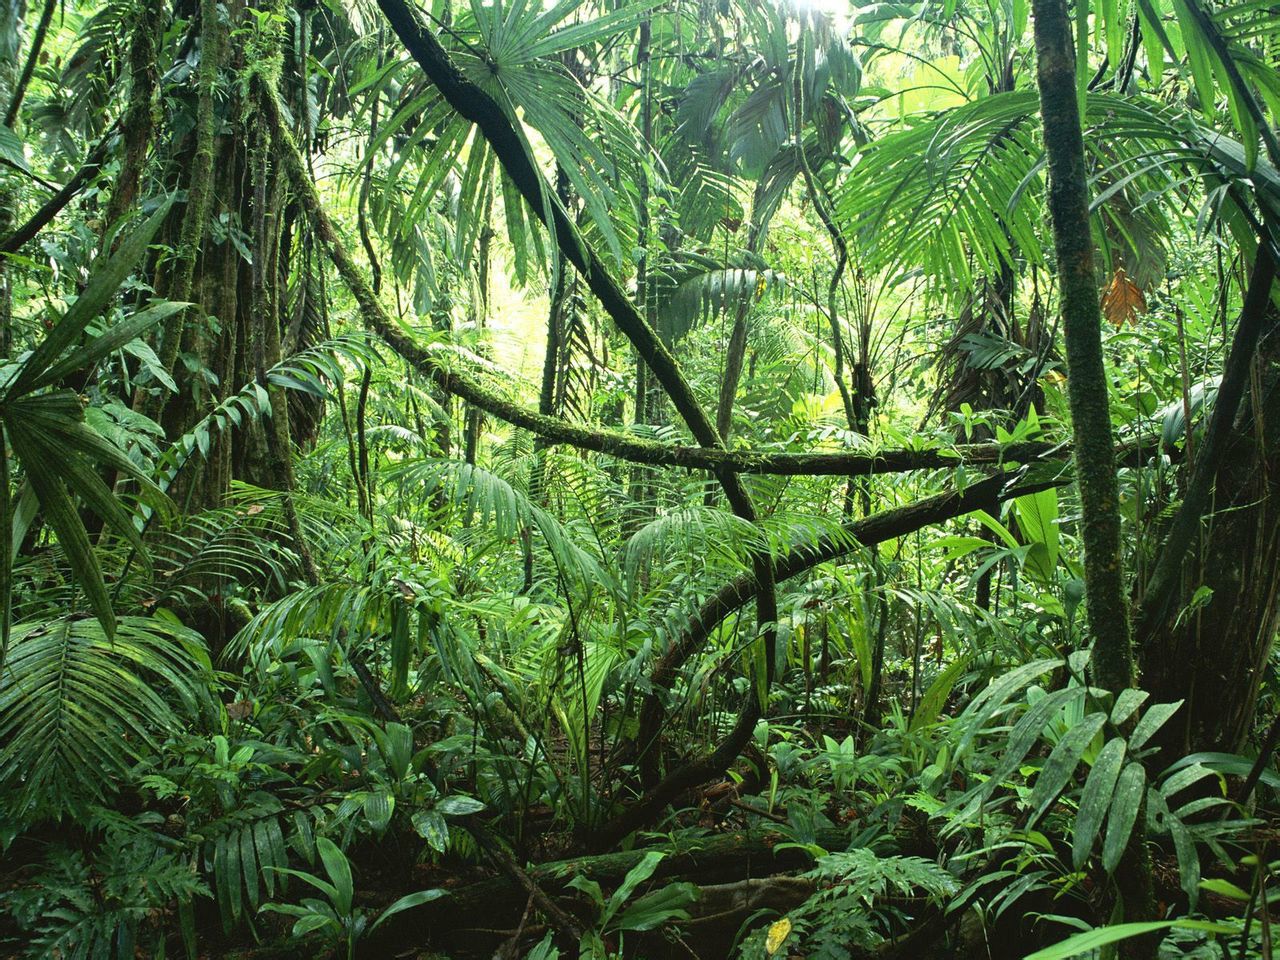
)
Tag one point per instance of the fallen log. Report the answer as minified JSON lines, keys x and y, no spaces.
{"x":496,"y":904}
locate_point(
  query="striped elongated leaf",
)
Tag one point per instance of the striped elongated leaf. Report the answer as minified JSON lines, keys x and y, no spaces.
{"x":269,"y":854}
{"x":1188,"y":858}
{"x":48,"y":479}
{"x":1124,"y":813}
{"x":936,"y":696}
{"x":1152,"y":720}
{"x":984,"y":706}
{"x":11,"y":148}
{"x":113,"y":339}
{"x":378,"y":807}
{"x":1091,"y":940}
{"x":1127,"y":703}
{"x":338,"y":868}
{"x":1022,"y":738}
{"x":400,"y":651}
{"x":1229,"y":763}
{"x":1062,"y":763}
{"x":1095,"y":801}
{"x":1193,"y":773}
{"x":249,"y":865}
{"x":104,"y":282}
{"x":433,"y":828}
{"x":226,"y":872}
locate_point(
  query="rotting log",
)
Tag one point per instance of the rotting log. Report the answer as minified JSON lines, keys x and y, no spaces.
{"x":497,"y":903}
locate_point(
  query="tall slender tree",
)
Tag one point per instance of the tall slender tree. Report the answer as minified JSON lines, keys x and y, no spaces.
{"x":1105,"y":599}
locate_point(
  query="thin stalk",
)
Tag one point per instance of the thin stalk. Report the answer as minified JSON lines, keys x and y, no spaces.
{"x":29,"y":68}
{"x":6,"y":550}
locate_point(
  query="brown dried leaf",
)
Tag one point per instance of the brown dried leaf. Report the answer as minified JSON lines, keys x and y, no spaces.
{"x":1122,"y":300}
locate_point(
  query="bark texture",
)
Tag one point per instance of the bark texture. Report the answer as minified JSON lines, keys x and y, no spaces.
{"x":1106,"y":605}
{"x":1214,"y":657}
{"x":1082,"y":326}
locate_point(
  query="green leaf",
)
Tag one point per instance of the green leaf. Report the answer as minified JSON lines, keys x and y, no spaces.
{"x":1096,"y":800}
{"x":249,"y":866}
{"x":1152,"y":720}
{"x":11,"y":148}
{"x":637,"y":875}
{"x":113,"y":339}
{"x":431,"y":827}
{"x":310,"y":922}
{"x":407,"y":902}
{"x":105,"y":279}
{"x":1229,"y":763}
{"x":338,"y":868}
{"x":1091,"y":940}
{"x":1188,"y":859}
{"x":935,"y":698}
{"x":1037,"y":515}
{"x":267,"y":856}
{"x":984,"y":706}
{"x":378,"y":807}
{"x":1127,"y":702}
{"x":1124,"y":813}
{"x":328,"y":889}
{"x":226,"y":868}
{"x":1225,"y":888}
{"x":459,"y":806}
{"x":1022,"y":738}
{"x":47,"y":480}
{"x":1062,"y":763}
{"x":659,"y":907}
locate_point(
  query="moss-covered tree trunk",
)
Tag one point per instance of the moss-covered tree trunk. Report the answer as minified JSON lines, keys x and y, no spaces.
{"x":1106,"y":605}
{"x":199,"y":186}
{"x":138,"y":127}
{"x":12,"y":15}
{"x":1213,"y":657}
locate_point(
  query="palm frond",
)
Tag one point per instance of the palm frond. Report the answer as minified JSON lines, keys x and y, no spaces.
{"x":78,"y":706}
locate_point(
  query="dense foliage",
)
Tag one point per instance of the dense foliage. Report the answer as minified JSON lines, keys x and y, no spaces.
{"x":713,"y":478}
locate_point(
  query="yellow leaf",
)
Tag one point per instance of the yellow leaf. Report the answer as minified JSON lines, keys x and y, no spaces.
{"x":778,"y":931}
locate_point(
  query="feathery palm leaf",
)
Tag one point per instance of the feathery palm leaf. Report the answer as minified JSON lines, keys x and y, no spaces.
{"x":78,"y":705}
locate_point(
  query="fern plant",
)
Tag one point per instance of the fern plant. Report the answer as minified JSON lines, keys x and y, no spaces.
{"x":111,"y":903}
{"x":854,"y":905}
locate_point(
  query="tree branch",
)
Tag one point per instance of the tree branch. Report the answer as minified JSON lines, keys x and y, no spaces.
{"x":476,"y":105}
{"x":443,"y":371}
{"x":733,"y":596}
{"x":55,"y":204}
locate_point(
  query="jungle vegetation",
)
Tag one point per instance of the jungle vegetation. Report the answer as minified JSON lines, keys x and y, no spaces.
{"x":639,"y":478}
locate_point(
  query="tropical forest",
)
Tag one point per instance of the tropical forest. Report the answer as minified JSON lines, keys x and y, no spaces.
{"x":646,"y":479}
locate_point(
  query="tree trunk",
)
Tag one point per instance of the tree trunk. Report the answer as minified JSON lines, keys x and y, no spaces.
{"x":1112,"y":659}
{"x":139,"y":121}
{"x":11,"y":23}
{"x":1214,"y":657}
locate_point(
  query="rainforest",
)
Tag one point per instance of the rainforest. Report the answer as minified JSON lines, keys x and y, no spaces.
{"x":714,"y":479}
